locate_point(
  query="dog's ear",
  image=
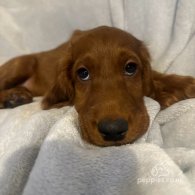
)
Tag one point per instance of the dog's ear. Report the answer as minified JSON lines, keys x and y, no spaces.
{"x":147,"y":77}
{"x":61,"y":92}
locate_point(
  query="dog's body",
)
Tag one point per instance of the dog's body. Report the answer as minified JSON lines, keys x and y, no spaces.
{"x":105,"y":73}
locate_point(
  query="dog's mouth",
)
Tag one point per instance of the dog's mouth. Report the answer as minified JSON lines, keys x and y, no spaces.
{"x":105,"y":142}
{"x":114,"y":138}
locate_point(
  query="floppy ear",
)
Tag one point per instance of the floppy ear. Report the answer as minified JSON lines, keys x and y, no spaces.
{"x":61,"y":92}
{"x":147,"y":71}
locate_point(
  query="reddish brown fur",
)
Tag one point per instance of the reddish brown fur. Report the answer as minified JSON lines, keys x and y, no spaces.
{"x":109,"y":93}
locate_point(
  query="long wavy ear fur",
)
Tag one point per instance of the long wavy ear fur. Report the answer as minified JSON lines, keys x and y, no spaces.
{"x":147,"y":76}
{"x":61,"y":92}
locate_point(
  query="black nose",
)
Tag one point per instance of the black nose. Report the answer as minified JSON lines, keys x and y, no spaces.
{"x":113,"y":130}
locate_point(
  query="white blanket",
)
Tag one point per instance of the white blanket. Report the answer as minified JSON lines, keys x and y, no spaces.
{"x":41,"y":151}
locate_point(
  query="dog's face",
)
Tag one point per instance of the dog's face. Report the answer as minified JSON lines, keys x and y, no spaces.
{"x":108,"y":75}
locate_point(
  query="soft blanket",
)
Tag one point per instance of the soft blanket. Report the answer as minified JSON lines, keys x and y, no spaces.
{"x":41,"y":152}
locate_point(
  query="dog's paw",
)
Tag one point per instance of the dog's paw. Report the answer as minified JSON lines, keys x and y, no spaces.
{"x":173,"y":88}
{"x":16,"y":97}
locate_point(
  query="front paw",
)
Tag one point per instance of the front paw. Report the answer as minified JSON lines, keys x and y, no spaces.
{"x":170,"y":89}
{"x":15,"y":100}
{"x":15,"y":97}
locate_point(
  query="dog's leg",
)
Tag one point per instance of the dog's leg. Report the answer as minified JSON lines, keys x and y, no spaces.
{"x":169,"y":89}
{"x":12,"y":75}
{"x":16,"y":71}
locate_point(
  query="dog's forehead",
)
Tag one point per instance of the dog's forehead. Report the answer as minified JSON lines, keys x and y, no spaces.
{"x":104,"y":39}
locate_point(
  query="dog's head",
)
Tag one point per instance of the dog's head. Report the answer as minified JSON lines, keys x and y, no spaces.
{"x":105,"y":73}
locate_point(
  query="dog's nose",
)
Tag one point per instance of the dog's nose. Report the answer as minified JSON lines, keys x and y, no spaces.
{"x":113,"y":130}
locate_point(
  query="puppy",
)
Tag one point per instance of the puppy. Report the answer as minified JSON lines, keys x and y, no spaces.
{"x":105,"y":73}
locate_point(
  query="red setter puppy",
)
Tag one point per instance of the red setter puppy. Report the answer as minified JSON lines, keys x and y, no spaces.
{"x":105,"y":73}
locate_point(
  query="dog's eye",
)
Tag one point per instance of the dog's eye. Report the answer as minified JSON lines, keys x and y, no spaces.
{"x":130,"y":68}
{"x":83,"y":74}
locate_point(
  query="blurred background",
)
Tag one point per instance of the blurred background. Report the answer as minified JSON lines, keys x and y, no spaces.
{"x":167,"y":27}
